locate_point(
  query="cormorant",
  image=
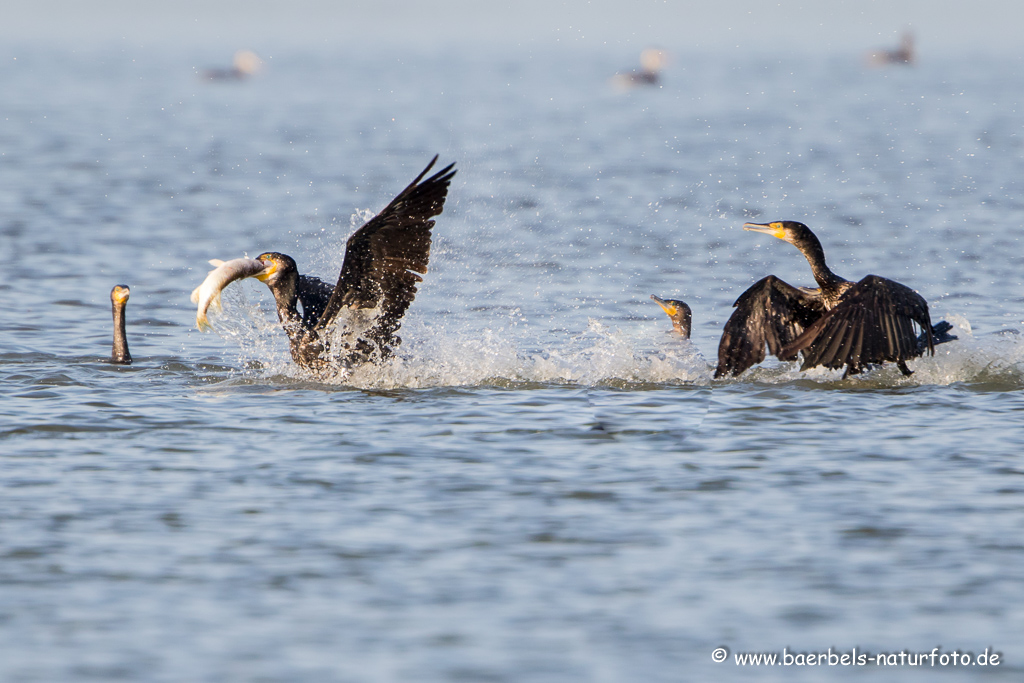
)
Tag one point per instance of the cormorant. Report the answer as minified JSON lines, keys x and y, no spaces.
{"x":841,"y":323}
{"x":383,"y":260}
{"x":678,"y":312}
{"x":904,"y":54}
{"x":244,"y":64}
{"x":118,"y":300}
{"x":651,"y":60}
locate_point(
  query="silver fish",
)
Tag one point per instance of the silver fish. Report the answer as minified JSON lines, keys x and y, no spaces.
{"x":224,"y":274}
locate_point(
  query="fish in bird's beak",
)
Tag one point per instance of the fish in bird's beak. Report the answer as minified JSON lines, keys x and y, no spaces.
{"x":270,"y":266}
{"x":225,"y":272}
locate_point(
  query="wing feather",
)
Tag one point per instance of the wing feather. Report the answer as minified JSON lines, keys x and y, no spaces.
{"x":385,"y":257}
{"x":770,"y":313}
{"x":873,"y":323}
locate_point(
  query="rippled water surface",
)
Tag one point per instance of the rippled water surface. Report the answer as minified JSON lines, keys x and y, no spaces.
{"x":545,"y":484}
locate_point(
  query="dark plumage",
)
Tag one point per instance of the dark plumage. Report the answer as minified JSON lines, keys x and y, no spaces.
{"x":118,"y":301}
{"x":244,"y":64}
{"x":652,"y":60}
{"x":904,"y":54}
{"x":678,"y":312}
{"x":382,"y":266}
{"x":841,"y":323}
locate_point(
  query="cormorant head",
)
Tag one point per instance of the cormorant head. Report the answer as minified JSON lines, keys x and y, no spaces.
{"x":247,"y":62}
{"x":282,"y":276}
{"x":119,"y":295}
{"x":789,"y":231}
{"x":801,"y":237}
{"x":678,"y":312}
{"x":652,"y":60}
{"x":279,"y":268}
{"x":797,"y":234}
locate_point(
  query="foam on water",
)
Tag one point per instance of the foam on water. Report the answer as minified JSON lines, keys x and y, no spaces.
{"x":599,"y":356}
{"x":436,"y":355}
{"x":992,"y":359}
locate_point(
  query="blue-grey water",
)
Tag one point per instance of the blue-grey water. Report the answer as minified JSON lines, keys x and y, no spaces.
{"x":546,"y":484}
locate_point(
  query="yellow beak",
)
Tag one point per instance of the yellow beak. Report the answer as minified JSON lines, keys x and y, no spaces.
{"x":270,"y":269}
{"x":773,"y":229}
{"x":665,"y":306}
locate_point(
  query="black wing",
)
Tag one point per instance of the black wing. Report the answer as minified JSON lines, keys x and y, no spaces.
{"x":873,"y":323}
{"x":383,"y":257}
{"x":771,"y":313}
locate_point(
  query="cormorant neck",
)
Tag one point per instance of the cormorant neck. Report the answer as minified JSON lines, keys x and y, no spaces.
{"x":308,"y":348}
{"x":288,"y":311}
{"x":120,"y":353}
{"x":287,"y":299}
{"x":815,"y":255}
{"x":682,"y":326}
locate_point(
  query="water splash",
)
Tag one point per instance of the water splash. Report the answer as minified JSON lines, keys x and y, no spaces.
{"x":435,"y":356}
{"x":993,"y":360}
{"x":439,"y":354}
{"x":600,"y":356}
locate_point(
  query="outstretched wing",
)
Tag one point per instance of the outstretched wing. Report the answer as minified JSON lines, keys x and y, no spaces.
{"x":873,"y":323}
{"x":383,"y":259}
{"x":771,"y":313}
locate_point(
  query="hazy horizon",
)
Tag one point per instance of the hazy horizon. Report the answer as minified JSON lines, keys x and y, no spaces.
{"x":731,"y":25}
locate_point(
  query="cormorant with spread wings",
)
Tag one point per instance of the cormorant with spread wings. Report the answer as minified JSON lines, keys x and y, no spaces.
{"x":354,"y":321}
{"x":841,"y":323}
{"x":383,"y":263}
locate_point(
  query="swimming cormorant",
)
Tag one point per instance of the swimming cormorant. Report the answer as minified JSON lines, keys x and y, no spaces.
{"x":118,"y":300}
{"x":841,"y":323}
{"x":904,"y":54}
{"x":652,"y":61}
{"x":244,"y":64}
{"x":382,"y":265}
{"x":678,"y":312}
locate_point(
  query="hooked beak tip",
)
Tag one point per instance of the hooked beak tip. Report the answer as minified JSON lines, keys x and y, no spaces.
{"x":665,"y":306}
{"x":773,"y":229}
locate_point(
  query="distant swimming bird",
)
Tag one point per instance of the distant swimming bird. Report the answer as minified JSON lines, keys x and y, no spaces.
{"x":245,"y":63}
{"x":118,"y":301}
{"x":652,"y":61}
{"x":841,"y":323}
{"x":354,"y":321}
{"x":678,"y":312}
{"x":904,"y":54}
